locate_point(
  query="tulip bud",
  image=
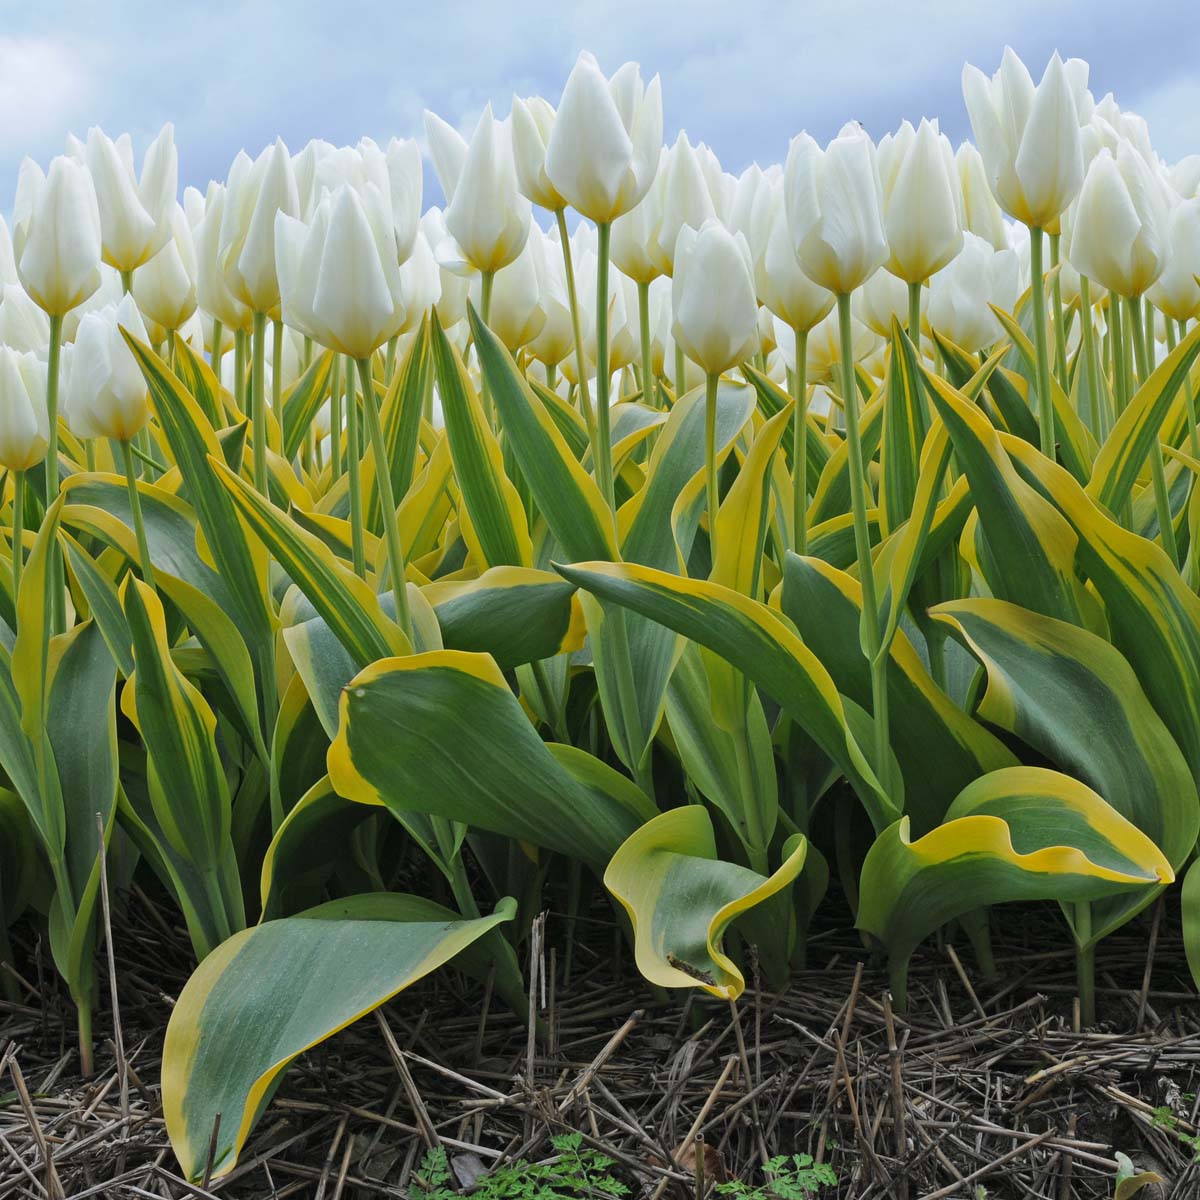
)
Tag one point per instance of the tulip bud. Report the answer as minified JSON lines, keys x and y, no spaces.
{"x":1029,"y":137}
{"x":782,"y":286}
{"x":420,"y":283}
{"x":1176,"y":294}
{"x":255,"y":192}
{"x":981,"y":213}
{"x":165,"y":288}
{"x":960,"y":295}
{"x":532,"y":124}
{"x":23,"y":326}
{"x":882,"y":299}
{"x":485,"y":214}
{"x":556,"y":338}
{"x":339,"y":277}
{"x":105,"y":393}
{"x":833,"y":199}
{"x":212,"y":289}
{"x":603,"y":150}
{"x":135,"y":215}
{"x":8,"y":261}
{"x":406,"y":181}
{"x":516,"y":315}
{"x":1118,"y":230}
{"x":713,"y":262}
{"x":24,"y":424}
{"x":634,"y":234}
{"x":686,"y":200}
{"x":58,"y":235}
{"x":922,"y":201}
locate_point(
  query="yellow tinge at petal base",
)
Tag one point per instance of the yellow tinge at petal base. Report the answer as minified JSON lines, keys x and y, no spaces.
{"x":681,"y":898}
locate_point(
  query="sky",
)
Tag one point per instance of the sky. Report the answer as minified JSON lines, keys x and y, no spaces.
{"x":742,"y":75}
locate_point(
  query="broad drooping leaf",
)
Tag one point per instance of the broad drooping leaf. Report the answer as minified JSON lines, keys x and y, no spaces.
{"x":1072,"y":696}
{"x":442,"y":733}
{"x":681,"y":897}
{"x":269,"y":993}
{"x":762,"y":643}
{"x":1020,"y":833}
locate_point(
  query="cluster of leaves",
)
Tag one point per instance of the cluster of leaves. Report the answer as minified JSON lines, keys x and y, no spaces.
{"x":995,"y":655}
{"x":577,"y":1172}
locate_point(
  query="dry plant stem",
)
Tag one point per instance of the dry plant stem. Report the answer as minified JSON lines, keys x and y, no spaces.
{"x":387,"y":501}
{"x":1037,"y":297}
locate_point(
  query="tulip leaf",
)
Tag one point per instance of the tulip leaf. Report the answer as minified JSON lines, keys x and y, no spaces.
{"x":567,"y":497}
{"x":1160,"y":400}
{"x":190,"y":811}
{"x":391,"y":748}
{"x":681,"y":897}
{"x":939,"y":748}
{"x":270,"y":993}
{"x":762,"y":643}
{"x":494,"y":523}
{"x":1030,"y":556}
{"x":345,"y":602}
{"x":1019,"y":833}
{"x":515,"y":614}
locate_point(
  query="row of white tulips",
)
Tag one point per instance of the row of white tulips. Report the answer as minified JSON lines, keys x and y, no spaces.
{"x":330,"y":246}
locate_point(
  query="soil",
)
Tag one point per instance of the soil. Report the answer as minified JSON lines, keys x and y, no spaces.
{"x":979,"y":1089}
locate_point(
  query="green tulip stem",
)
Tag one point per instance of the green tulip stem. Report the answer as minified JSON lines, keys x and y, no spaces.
{"x":1085,"y":963}
{"x":18,"y":532}
{"x":1060,"y":328}
{"x":53,"y":355}
{"x":710,"y":458}
{"x":680,"y":370}
{"x":601,"y":447}
{"x":862,"y":546}
{"x":389,"y":358}
{"x":214,"y":357}
{"x":649,"y":392}
{"x":239,"y":368}
{"x":258,"y":415}
{"x":552,"y":376}
{"x":1188,"y":391}
{"x":1162,"y":497}
{"x":1098,"y":412}
{"x":799,"y":382}
{"x":585,"y":397}
{"x":1037,"y":297}
{"x":353,"y":469}
{"x":487,"y":279}
{"x":277,"y":371}
{"x":914,"y":316}
{"x":335,"y":418}
{"x":387,"y":500}
{"x":135,"y":509}
{"x":126,"y":282}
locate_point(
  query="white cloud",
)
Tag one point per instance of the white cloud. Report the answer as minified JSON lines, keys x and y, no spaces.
{"x":45,"y":84}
